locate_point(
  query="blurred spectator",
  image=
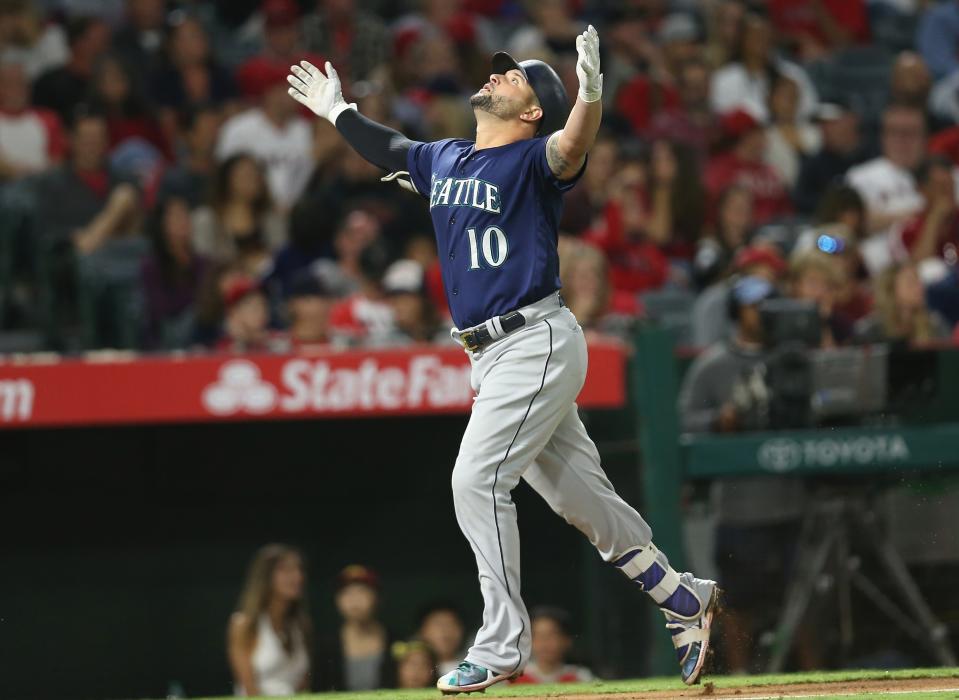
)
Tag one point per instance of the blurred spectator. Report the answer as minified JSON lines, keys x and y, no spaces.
{"x":31,"y":139}
{"x":733,"y":229}
{"x":937,"y":38}
{"x":171,"y":276}
{"x":910,"y":83}
{"x":584,"y":272}
{"x":414,"y":318}
{"x":62,"y":89}
{"x":276,"y":134}
{"x":188,"y":73}
{"x":934,"y":232}
{"x":758,"y":518}
{"x":886,"y":183}
{"x":901,"y":314}
{"x":692,"y":123}
{"x":841,"y":149}
{"x":746,"y":81}
{"x":26,"y":39}
{"x":116,"y":95}
{"x":415,"y":664}
{"x":710,"y":319}
{"x":790,"y":140}
{"x":366,"y":315}
{"x":354,"y":40}
{"x":743,"y":164}
{"x":308,"y":311}
{"x":636,"y":263}
{"x":552,"y":641}
{"x":552,"y":30}
{"x":354,"y":234}
{"x":283,"y":48}
{"x":676,"y":202}
{"x":812,"y":29}
{"x":589,"y":195}
{"x":139,"y":39}
{"x":724,"y":24}
{"x":817,"y":277}
{"x":246,"y":324}
{"x":240,"y":224}
{"x":441,"y":627}
{"x":193,"y":175}
{"x":358,"y":657}
{"x":270,"y":634}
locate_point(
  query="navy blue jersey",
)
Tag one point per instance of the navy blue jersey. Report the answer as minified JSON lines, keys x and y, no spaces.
{"x":495,"y":212}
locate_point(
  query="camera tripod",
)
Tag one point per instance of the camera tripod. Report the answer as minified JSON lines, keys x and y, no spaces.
{"x":825,"y":554}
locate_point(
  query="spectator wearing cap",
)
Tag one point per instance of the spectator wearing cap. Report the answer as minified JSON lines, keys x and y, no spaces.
{"x":189,"y":74}
{"x":308,"y":311}
{"x":415,"y":664}
{"x":240,"y":224}
{"x":193,"y":175}
{"x":743,"y":163}
{"x":790,"y":139}
{"x":414,"y":317}
{"x":355,"y":41}
{"x":552,"y":641}
{"x":758,"y":517}
{"x":29,"y":41}
{"x":654,"y":92}
{"x":366,"y":316}
{"x":276,"y":134}
{"x":270,"y":634}
{"x":887,"y":183}
{"x":441,"y":627}
{"x":170,"y":276}
{"x":282,"y":47}
{"x":64,"y":88}
{"x":841,"y":149}
{"x":746,"y":81}
{"x":31,"y":138}
{"x":358,"y":657}
{"x":710,"y":322}
{"x":812,"y":29}
{"x":246,"y":325}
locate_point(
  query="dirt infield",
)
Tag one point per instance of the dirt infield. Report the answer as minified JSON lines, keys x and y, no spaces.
{"x":948,"y":687}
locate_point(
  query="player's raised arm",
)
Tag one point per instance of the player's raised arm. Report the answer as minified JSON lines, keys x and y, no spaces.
{"x":323,"y":95}
{"x":566,"y":149}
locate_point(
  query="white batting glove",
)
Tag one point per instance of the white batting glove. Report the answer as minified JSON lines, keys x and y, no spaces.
{"x":320,"y":93}
{"x":587,"y":65}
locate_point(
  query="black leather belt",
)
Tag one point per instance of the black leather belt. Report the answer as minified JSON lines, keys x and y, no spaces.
{"x":478,"y":338}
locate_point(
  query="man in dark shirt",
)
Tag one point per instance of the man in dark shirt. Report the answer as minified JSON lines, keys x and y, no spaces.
{"x":841,"y":149}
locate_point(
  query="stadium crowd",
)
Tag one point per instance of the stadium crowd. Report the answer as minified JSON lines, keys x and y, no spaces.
{"x":160,"y":190}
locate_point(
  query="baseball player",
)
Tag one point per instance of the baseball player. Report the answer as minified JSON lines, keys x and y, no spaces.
{"x":495,"y":204}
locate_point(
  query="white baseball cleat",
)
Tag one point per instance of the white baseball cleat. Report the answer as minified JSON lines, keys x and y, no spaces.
{"x":691,"y":637}
{"x":470,"y":678}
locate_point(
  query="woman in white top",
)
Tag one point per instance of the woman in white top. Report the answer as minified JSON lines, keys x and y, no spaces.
{"x":789,"y":137}
{"x":269,"y":635}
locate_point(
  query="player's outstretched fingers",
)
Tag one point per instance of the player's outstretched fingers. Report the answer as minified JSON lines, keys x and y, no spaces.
{"x":311,"y":69}
{"x":301,"y":74}
{"x":331,"y":72}
{"x":297,"y":83}
{"x":298,"y":96}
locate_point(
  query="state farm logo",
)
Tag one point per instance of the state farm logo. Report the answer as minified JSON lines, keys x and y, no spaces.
{"x":317,"y":386}
{"x":16,"y":400}
{"x":240,"y":388}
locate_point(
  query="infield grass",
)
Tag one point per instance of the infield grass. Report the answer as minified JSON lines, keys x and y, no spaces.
{"x":600,"y":688}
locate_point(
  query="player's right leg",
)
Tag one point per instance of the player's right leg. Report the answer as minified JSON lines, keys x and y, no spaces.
{"x":568,"y":475}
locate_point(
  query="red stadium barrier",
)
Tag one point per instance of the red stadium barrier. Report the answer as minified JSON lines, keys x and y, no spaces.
{"x":170,"y":389}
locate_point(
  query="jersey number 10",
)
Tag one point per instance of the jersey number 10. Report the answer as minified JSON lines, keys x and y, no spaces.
{"x":493,"y":246}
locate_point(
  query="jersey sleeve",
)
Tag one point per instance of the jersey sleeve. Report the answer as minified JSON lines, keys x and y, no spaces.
{"x":542,"y":170}
{"x":419,"y":161}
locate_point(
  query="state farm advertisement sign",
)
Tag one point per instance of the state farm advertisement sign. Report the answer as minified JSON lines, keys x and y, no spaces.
{"x":212,"y":388}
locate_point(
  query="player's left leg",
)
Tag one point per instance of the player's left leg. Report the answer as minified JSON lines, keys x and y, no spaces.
{"x":568,"y":475}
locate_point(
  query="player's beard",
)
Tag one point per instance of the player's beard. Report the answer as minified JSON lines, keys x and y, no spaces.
{"x":497,"y":106}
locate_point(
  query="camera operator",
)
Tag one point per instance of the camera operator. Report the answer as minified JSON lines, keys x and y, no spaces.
{"x":758,"y":517}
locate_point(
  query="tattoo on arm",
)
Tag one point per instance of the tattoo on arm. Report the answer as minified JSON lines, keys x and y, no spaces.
{"x":557,"y":162}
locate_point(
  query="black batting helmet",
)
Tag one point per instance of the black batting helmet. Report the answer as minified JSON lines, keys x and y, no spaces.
{"x":547,"y":86}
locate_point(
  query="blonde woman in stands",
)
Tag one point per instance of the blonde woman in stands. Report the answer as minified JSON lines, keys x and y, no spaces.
{"x":269,"y":636}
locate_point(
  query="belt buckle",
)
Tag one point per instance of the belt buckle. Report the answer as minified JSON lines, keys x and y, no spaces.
{"x":469,"y":342}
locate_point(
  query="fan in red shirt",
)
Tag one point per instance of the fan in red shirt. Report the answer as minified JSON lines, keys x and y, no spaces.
{"x":814,"y":27}
{"x":635,"y":263}
{"x":935,"y":230}
{"x":742,"y":164}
